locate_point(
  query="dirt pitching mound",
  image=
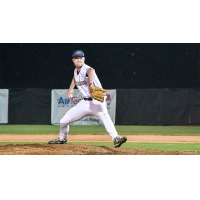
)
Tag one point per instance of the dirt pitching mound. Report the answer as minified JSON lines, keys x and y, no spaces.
{"x":74,"y":149}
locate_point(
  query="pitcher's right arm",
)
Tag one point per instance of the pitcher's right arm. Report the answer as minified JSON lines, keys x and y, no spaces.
{"x":71,"y":89}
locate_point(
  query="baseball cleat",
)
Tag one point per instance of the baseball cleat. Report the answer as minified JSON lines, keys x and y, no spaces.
{"x":58,"y":141}
{"x":118,"y":141}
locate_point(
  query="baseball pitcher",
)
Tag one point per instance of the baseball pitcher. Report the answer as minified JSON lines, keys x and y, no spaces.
{"x":93,"y":101}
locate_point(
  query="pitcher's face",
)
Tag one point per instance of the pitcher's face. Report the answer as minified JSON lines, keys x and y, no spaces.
{"x":78,"y":61}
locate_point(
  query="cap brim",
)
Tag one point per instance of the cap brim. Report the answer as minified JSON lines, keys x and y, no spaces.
{"x":78,"y":56}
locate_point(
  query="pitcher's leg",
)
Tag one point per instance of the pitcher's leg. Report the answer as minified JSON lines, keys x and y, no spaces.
{"x":118,"y":141}
{"x":100,"y":110}
{"x":109,"y":126}
{"x":64,"y":130}
{"x":74,"y":114}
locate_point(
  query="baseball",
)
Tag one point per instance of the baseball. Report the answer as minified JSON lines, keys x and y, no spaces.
{"x":71,"y":95}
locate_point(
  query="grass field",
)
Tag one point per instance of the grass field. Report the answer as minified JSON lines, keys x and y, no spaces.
{"x":129,"y":130}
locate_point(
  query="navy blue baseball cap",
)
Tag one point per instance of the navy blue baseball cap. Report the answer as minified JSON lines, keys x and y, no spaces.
{"x":78,"y":53}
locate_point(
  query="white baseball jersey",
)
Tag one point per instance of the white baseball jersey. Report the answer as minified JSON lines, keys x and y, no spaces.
{"x":82,"y":81}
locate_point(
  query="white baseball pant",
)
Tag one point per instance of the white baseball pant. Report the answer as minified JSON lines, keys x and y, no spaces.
{"x":85,"y":108}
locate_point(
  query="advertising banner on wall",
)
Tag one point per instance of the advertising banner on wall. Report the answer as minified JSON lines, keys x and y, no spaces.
{"x":4,"y":106}
{"x":60,"y":104}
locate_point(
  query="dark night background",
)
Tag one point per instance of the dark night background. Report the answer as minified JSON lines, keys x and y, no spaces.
{"x":118,"y":66}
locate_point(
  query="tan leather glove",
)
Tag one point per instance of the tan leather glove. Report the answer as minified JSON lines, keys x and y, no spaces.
{"x":97,"y":93}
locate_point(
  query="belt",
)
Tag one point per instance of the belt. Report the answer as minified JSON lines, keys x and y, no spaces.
{"x":88,"y":99}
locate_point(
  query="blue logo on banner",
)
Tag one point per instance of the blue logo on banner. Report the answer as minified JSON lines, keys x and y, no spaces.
{"x":68,"y":102}
{"x":63,"y":102}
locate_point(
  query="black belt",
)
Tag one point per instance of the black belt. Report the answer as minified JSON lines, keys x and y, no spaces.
{"x":88,"y":99}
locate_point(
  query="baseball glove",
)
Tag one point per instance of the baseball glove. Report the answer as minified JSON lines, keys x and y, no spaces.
{"x":97,"y":93}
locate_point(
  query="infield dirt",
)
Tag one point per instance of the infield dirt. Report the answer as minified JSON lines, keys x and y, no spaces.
{"x":101,"y":138}
{"x":72,"y":149}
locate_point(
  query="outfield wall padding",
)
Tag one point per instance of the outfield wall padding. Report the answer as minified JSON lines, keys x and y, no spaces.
{"x":133,"y":106}
{"x":194,"y":103}
{"x":29,"y":106}
{"x":158,"y":107}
